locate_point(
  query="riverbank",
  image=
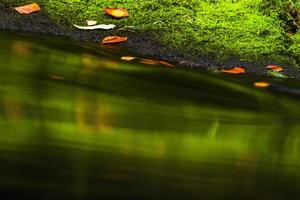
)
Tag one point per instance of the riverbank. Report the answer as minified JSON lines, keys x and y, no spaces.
{"x":194,"y":40}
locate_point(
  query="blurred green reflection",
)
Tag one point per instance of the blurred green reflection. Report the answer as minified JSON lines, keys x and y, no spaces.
{"x":78,"y":123}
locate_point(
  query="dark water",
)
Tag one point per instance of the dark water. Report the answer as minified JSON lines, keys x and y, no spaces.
{"x":79,"y":123}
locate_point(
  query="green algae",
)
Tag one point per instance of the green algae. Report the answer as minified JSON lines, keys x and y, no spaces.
{"x":246,"y":29}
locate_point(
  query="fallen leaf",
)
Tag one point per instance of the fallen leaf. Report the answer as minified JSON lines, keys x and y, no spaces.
{"x":128,"y":58}
{"x":166,"y":63}
{"x":277,"y":74}
{"x":100,"y":26}
{"x":262,"y":84}
{"x":149,"y":62}
{"x":116,"y":12}
{"x":275,"y":68}
{"x":114,"y":40}
{"x":28,"y":9}
{"x":235,"y":70}
{"x":91,"y":22}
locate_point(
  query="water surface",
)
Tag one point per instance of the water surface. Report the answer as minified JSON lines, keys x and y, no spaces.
{"x":76,"y":122}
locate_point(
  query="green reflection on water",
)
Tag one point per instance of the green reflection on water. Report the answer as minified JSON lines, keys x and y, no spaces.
{"x":78,"y":123}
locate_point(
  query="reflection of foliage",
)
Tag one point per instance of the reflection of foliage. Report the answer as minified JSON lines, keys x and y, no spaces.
{"x":147,"y":122}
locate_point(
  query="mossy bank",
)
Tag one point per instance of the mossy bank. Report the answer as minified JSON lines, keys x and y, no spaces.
{"x":258,"y":31}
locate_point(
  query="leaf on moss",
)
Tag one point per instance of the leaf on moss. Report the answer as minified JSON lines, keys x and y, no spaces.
{"x":116,"y":12}
{"x":275,"y":68}
{"x":28,"y":9}
{"x":262,"y":84}
{"x":114,"y":40}
{"x":235,"y":70}
{"x":100,"y":26}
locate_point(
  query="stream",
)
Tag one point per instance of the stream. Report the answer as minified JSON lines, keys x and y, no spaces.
{"x":77,"y":122}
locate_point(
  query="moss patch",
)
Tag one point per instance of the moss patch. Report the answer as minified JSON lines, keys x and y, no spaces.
{"x":295,"y":47}
{"x":247,"y":29}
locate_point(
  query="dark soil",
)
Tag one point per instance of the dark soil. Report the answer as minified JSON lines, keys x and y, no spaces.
{"x":140,"y":44}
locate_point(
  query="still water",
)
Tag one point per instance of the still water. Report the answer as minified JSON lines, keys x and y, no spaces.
{"x":76,"y":122}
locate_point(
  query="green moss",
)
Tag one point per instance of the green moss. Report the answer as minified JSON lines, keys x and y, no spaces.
{"x":295,"y":47}
{"x":238,"y":29}
{"x":248,"y":29}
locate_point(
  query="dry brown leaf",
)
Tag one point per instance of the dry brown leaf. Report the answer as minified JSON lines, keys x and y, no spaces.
{"x":116,"y":12}
{"x":262,"y":84}
{"x":275,"y":68}
{"x":235,"y":70}
{"x":28,"y":9}
{"x":128,"y":58}
{"x":114,"y":40}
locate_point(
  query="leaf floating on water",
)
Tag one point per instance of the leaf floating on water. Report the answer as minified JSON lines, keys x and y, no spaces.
{"x":277,"y":74}
{"x":116,"y":12}
{"x":128,"y":58}
{"x":114,"y":40}
{"x":28,"y":9}
{"x":149,"y":62}
{"x":100,"y":26}
{"x":262,"y":84}
{"x":91,"y":22}
{"x":275,"y":68}
{"x":235,"y":70}
{"x":166,"y":63}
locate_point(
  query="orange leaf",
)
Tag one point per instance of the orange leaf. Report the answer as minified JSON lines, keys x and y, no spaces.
{"x":128,"y":58}
{"x":166,"y":63}
{"x":116,"y":12}
{"x":149,"y":62}
{"x":114,"y":40}
{"x":235,"y":70}
{"x":262,"y":84}
{"x":28,"y":9}
{"x":275,"y":68}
